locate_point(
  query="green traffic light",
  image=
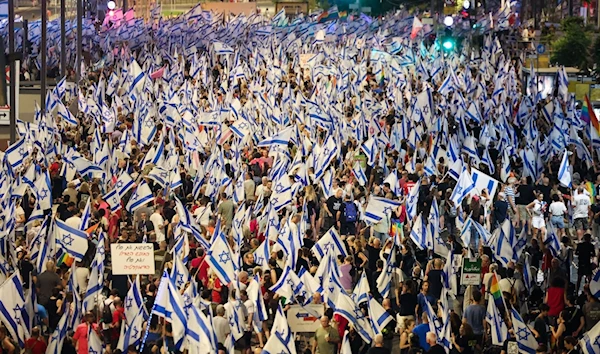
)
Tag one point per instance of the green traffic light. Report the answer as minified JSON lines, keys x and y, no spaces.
{"x":448,"y":44}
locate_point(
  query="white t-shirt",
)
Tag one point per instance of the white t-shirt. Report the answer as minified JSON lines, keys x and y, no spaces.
{"x":19,"y":212}
{"x":581,"y":203}
{"x":557,"y":209}
{"x":82,"y":275}
{"x":222,"y":328}
{"x":158,"y":222}
{"x":74,"y":222}
{"x":202,"y":214}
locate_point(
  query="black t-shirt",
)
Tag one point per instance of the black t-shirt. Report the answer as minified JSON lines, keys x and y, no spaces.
{"x":585,"y":253}
{"x":596,"y":209}
{"x":308,"y":242}
{"x":26,"y":268}
{"x":572,"y":319}
{"x":373,"y":256}
{"x":334,"y":205}
{"x":435,"y":283}
{"x":436,"y":349}
{"x":541,"y":326}
{"x":408,"y":303}
{"x":510,"y":346}
{"x":378,"y":350}
{"x":467,"y":343}
{"x":545,"y":190}
{"x":524,"y":194}
{"x":500,"y":211}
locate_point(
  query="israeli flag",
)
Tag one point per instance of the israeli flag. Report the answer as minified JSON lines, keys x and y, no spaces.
{"x":281,"y":340}
{"x":134,"y":302}
{"x":140,"y":197}
{"x":94,"y":288}
{"x":378,"y":315}
{"x":170,"y":305}
{"x":361,"y":290}
{"x":220,"y":258}
{"x":359,"y":174}
{"x":411,"y":201}
{"x":330,"y":241}
{"x":494,"y":318}
{"x":16,"y":154}
{"x":590,"y":343}
{"x":418,"y":233}
{"x":200,"y":332}
{"x":564,"y":172}
{"x":464,"y":186}
{"x":12,"y":308}
{"x":384,"y":280}
{"x":525,"y":338}
{"x":379,"y":208}
{"x":72,"y":241}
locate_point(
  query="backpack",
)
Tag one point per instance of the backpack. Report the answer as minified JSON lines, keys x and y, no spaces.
{"x":107,"y":313}
{"x":350,"y":212}
{"x":257,"y":171}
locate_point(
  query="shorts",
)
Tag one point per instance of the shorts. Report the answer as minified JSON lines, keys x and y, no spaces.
{"x":523,"y":214}
{"x":558,"y":222}
{"x":581,"y":224}
{"x":537,"y":222}
{"x":584,"y":270}
{"x":244,"y":342}
{"x":348,"y":228}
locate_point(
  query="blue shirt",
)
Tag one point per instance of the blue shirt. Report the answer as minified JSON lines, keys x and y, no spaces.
{"x":421,"y":331}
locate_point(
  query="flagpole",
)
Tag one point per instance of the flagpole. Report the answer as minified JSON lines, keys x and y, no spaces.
{"x":43,"y":52}
{"x":63,"y":39}
{"x":13,"y":75}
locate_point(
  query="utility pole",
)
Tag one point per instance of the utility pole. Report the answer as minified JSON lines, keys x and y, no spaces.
{"x":12,"y":113}
{"x":78,"y":58}
{"x":42,"y":53}
{"x":63,"y":39}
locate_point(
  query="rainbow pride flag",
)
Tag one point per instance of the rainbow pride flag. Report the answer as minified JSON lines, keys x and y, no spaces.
{"x":496,"y":292}
{"x":591,"y":188}
{"x":588,"y":115}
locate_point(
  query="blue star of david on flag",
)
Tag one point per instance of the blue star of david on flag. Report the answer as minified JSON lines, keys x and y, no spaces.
{"x":224,"y":257}
{"x":129,"y":302}
{"x":67,"y":240}
{"x":43,"y":193}
{"x":523,"y":334}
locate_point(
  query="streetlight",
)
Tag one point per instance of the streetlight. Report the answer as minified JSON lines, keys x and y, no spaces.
{"x":466,"y":4}
{"x":448,"y":21}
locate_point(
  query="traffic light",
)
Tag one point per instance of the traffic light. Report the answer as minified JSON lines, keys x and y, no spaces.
{"x":448,"y":40}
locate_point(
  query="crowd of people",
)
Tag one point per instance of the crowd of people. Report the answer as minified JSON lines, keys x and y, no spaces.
{"x":348,"y":165}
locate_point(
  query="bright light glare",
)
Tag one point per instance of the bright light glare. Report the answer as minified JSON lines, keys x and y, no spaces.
{"x":466,"y":4}
{"x":448,"y":21}
{"x":111,"y":5}
{"x":111,"y":13}
{"x":448,"y":45}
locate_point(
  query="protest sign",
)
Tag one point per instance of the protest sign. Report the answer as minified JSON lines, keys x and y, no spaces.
{"x":304,"y":319}
{"x":132,"y":258}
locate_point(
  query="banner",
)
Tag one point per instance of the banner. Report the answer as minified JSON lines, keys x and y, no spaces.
{"x":132,"y":258}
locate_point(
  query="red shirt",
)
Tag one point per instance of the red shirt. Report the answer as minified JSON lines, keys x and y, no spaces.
{"x":556,"y":301}
{"x":216,"y":295}
{"x":37,"y":346}
{"x":81,"y":337}
{"x":118,"y":317}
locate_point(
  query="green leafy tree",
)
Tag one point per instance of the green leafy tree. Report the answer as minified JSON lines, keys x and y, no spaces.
{"x":572,"y":49}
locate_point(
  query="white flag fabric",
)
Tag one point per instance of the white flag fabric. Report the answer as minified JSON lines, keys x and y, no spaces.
{"x":564,"y":172}
{"x":329,"y":241}
{"x":12,"y":308}
{"x":464,"y":186}
{"x":72,"y":241}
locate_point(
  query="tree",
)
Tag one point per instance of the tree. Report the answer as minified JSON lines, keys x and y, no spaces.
{"x":572,"y":49}
{"x":596,"y":53}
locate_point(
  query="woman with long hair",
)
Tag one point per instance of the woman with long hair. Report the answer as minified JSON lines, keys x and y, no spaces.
{"x":409,"y":325}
